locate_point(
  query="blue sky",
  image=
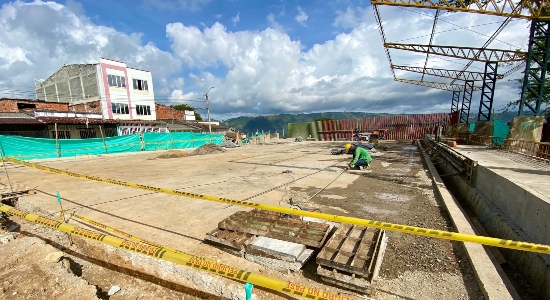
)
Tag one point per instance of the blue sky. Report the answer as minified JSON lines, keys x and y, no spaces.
{"x":263,"y":57}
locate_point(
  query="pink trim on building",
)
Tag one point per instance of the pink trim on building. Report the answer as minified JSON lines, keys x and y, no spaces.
{"x":104,"y":68}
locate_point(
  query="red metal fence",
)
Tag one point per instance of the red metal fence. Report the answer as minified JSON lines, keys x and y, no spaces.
{"x":402,"y":127}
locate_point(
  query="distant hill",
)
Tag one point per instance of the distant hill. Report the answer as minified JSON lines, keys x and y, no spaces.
{"x":504,"y":117}
{"x":276,"y":123}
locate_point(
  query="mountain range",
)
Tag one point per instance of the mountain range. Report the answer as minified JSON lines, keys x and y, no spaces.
{"x":279,"y":123}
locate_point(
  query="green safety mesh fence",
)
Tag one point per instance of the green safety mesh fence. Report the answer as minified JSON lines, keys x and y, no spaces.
{"x":178,"y":140}
{"x":41,"y":148}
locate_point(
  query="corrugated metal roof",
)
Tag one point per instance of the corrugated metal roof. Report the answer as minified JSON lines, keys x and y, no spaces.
{"x":131,"y":122}
{"x":51,"y":120}
{"x":20,"y":121}
{"x":181,"y":127}
{"x":13,"y":115}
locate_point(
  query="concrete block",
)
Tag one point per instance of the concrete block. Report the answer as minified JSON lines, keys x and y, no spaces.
{"x":282,"y":266}
{"x":277,"y":249}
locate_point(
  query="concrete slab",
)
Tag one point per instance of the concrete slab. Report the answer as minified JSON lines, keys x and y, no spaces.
{"x":282,"y":266}
{"x":504,"y":181}
{"x":274,"y":248}
{"x":244,"y":172}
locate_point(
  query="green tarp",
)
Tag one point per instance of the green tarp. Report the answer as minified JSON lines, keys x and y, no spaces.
{"x":40,"y":148}
{"x":500,"y":132}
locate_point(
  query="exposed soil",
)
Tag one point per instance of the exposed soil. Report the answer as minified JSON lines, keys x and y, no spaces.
{"x":208,"y":149}
{"x":173,"y":154}
{"x":397,"y":189}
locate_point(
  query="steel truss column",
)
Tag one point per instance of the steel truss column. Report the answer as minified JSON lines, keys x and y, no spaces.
{"x":488,"y":91}
{"x":534,"y":79}
{"x":466,"y":101}
{"x":456,"y":101}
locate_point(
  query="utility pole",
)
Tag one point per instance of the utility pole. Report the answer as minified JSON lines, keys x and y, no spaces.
{"x":208,"y":112}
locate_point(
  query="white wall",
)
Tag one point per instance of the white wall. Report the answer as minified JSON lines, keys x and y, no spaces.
{"x":102,"y":96}
{"x":139,"y":97}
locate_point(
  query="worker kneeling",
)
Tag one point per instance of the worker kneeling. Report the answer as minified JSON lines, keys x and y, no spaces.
{"x":361,"y":158}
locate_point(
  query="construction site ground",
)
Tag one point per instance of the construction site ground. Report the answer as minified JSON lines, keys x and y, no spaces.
{"x":396,"y":188}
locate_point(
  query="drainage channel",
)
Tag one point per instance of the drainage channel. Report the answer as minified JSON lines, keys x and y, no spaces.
{"x":449,"y":167}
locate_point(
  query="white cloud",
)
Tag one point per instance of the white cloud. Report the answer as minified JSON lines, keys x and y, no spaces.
{"x":269,"y":72}
{"x":38,"y":38}
{"x":218,"y":16}
{"x":274,"y":24}
{"x":191,"y":5}
{"x":351,"y":17}
{"x":255,"y":72}
{"x":236,"y":19}
{"x":301,"y":17}
{"x":178,"y":96}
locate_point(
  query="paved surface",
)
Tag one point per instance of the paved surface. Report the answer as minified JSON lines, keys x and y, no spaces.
{"x":395,"y":189}
{"x":528,"y":173}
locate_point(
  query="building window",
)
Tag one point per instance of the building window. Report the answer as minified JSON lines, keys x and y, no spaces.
{"x":25,"y":105}
{"x":143,"y":110}
{"x":116,"y":81}
{"x":119,"y":108}
{"x":140,"y":85}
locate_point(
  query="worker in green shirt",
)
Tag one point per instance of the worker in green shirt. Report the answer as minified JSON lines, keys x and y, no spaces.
{"x":361,"y":158}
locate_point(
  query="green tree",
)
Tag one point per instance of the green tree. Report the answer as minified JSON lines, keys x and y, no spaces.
{"x":545,"y":97}
{"x":184,"y":107}
{"x":323,"y":119}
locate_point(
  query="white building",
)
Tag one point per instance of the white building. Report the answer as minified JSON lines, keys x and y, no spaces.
{"x":122,"y":92}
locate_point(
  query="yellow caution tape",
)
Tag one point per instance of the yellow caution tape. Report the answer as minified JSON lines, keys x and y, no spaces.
{"x":462,"y":237}
{"x":180,"y":258}
{"x":124,"y":234}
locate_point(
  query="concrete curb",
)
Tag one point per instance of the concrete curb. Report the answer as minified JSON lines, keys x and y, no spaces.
{"x":492,"y":280}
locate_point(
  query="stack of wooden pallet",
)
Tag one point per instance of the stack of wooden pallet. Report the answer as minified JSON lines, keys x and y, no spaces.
{"x":352,"y":257}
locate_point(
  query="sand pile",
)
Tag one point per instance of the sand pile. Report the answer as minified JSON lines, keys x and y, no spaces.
{"x":208,"y":149}
{"x":173,"y":154}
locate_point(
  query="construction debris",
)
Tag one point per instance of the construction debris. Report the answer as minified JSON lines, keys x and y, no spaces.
{"x":280,"y":265}
{"x":228,"y":144}
{"x":275,"y":226}
{"x":208,"y":149}
{"x":10,"y":193}
{"x":270,"y":239}
{"x":230,"y":241}
{"x":352,"y":257}
{"x":173,"y":154}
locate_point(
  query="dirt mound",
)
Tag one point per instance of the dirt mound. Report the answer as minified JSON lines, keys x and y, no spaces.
{"x":173,"y":154}
{"x":208,"y":149}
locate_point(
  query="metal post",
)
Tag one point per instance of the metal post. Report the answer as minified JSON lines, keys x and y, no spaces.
{"x":208,"y":112}
{"x":103,"y":139}
{"x":534,"y":79}
{"x":171,"y":139}
{"x":488,"y":91}
{"x":57,"y":141}
{"x":466,"y":101}
{"x":456,"y":101}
